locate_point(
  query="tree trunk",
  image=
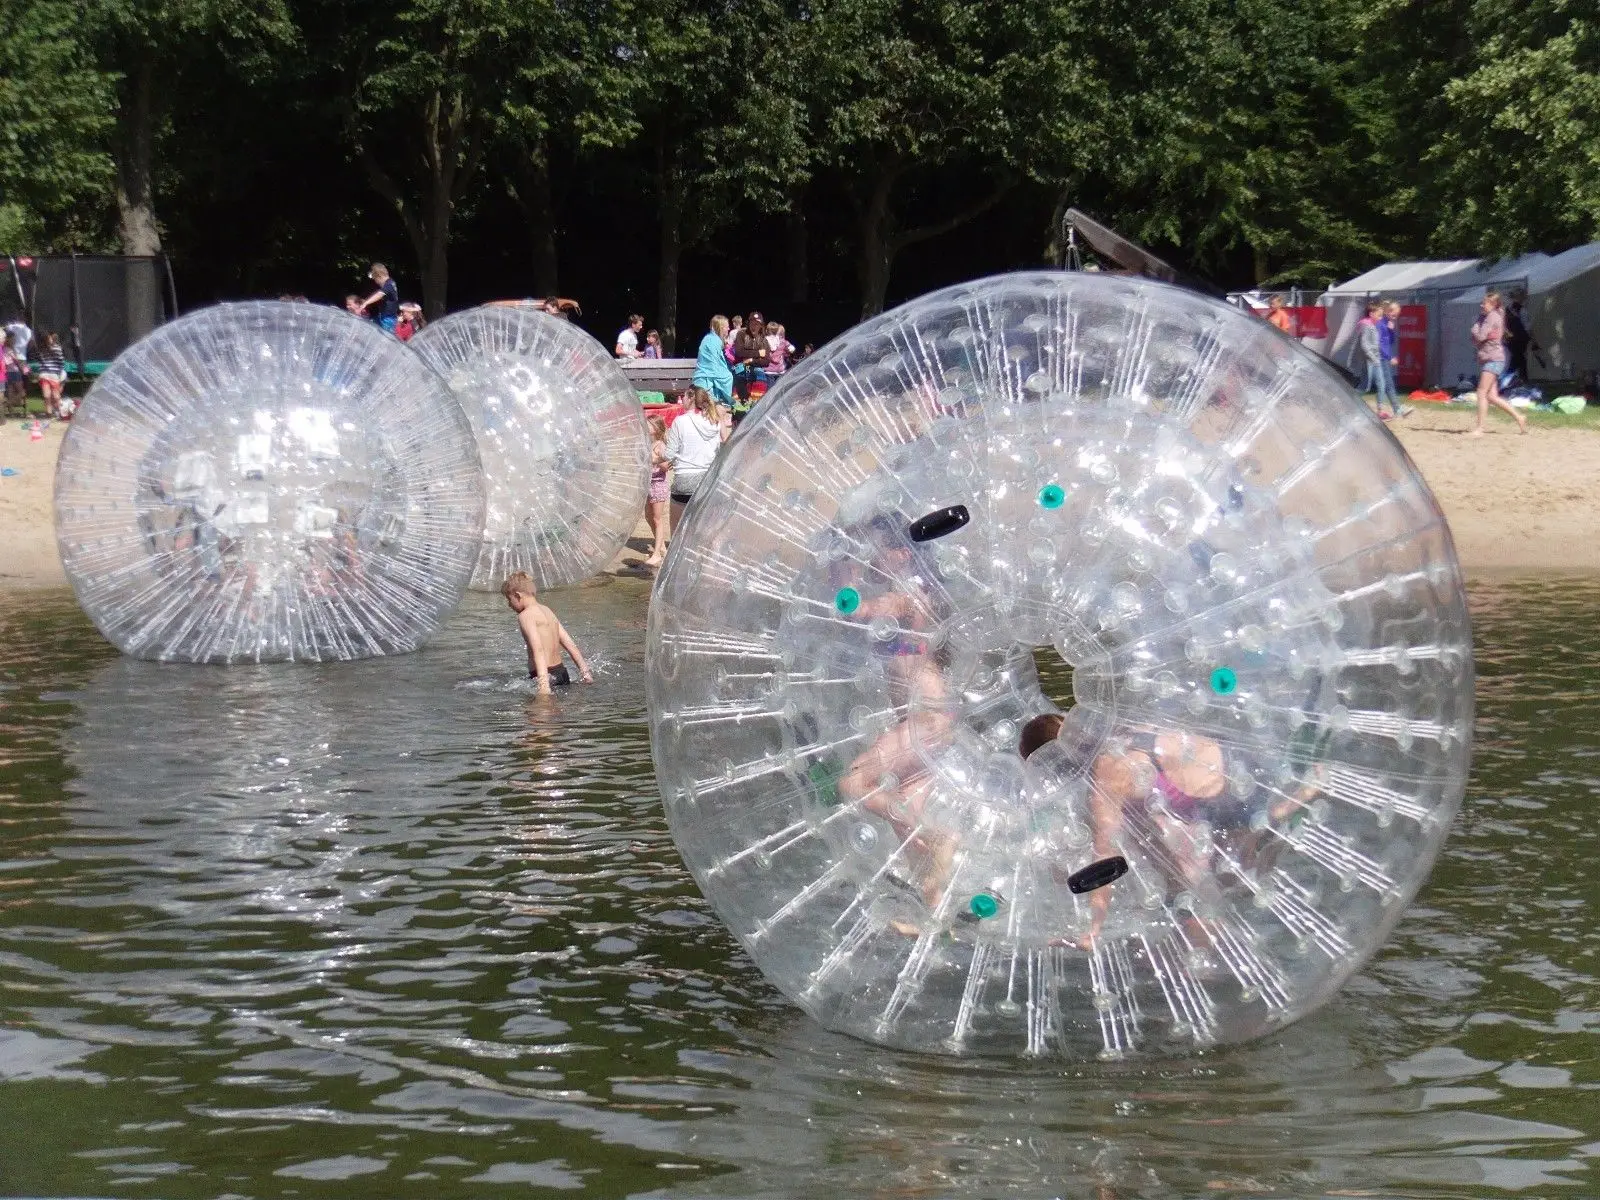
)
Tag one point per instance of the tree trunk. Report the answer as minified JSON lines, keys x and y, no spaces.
{"x":882,"y":239}
{"x":136,"y":208}
{"x":435,"y":257}
{"x":450,"y":154}
{"x":795,"y":242}
{"x":672,"y":194}
{"x":877,"y":246}
{"x":538,"y":204}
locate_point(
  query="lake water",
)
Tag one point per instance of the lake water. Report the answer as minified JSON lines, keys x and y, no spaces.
{"x":401,"y":928}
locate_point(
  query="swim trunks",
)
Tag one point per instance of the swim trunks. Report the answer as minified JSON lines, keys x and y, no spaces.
{"x":558,"y":675}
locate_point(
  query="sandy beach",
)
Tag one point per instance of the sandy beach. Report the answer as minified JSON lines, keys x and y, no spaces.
{"x":1515,"y":504}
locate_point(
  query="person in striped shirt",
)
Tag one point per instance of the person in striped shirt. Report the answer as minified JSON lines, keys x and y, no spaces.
{"x":52,"y":374}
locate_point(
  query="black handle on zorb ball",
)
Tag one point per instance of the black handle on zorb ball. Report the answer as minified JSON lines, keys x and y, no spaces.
{"x":938,"y":523}
{"x":1098,"y":874}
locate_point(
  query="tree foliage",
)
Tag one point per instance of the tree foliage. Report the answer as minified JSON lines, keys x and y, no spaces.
{"x":770,"y":141}
{"x":1520,"y":155}
{"x":55,"y":116}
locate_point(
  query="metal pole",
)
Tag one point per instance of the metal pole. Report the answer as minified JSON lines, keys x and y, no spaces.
{"x":77,"y":338}
{"x":22,"y":296}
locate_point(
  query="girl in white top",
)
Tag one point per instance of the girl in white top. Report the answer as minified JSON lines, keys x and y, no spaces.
{"x":692,"y":445}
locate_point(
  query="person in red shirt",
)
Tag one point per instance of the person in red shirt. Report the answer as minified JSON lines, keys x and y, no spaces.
{"x":410,"y":321}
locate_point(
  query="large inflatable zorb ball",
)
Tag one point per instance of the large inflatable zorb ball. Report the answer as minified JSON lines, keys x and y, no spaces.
{"x":566,"y":455}
{"x":268,"y":482}
{"x":1271,"y":692}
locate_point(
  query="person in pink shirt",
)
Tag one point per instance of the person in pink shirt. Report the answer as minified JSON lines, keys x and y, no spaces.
{"x":1488,"y":335}
{"x":779,"y":348}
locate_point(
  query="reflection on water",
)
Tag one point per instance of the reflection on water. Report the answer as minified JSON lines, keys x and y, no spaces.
{"x":399,"y":927}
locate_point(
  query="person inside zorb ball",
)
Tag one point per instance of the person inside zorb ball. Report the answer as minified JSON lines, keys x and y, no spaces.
{"x":1268,"y":726}
{"x":268,"y":482}
{"x":566,"y":455}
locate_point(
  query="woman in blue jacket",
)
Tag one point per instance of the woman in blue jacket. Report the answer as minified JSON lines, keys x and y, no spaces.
{"x":711,"y":365}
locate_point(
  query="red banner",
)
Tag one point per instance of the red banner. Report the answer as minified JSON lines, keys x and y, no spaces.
{"x":1310,"y":321}
{"x":1305,"y":320}
{"x":1411,"y":346}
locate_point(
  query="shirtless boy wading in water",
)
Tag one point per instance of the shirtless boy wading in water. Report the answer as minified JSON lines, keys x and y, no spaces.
{"x":544,"y":633}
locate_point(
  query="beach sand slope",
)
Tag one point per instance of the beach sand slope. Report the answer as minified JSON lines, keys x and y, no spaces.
{"x":1515,"y":504}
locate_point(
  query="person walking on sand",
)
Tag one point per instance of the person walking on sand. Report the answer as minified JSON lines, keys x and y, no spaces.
{"x":656,"y":505}
{"x":691,"y":447}
{"x":52,"y":375}
{"x":1488,"y":335}
{"x":1389,"y":351}
{"x":1370,"y":340}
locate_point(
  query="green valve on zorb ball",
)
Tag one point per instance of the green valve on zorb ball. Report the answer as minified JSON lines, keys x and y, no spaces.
{"x":984,"y":906}
{"x":847,"y":601}
{"x":1052,"y":495}
{"x":1224,"y":681}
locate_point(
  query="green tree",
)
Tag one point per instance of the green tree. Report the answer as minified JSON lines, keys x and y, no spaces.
{"x":689,"y":81}
{"x":1251,"y":137}
{"x":930,"y":112}
{"x":433,"y":87}
{"x":1520,"y":156}
{"x":147,"y":45}
{"x":55,"y":113}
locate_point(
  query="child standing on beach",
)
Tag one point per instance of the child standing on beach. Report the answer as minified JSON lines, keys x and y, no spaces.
{"x":656,"y":503}
{"x":15,"y":374}
{"x":545,"y":635}
{"x":52,"y":375}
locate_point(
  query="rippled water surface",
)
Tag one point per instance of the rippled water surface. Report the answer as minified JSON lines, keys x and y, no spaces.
{"x":401,"y":928}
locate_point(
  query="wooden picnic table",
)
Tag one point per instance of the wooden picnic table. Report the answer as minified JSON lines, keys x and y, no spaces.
{"x":665,"y":375}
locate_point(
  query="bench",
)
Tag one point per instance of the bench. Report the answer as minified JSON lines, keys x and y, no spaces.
{"x":665,"y":375}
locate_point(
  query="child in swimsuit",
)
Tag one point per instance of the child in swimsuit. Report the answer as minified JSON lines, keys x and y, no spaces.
{"x":545,"y":635}
{"x":890,"y":778}
{"x":656,"y":503}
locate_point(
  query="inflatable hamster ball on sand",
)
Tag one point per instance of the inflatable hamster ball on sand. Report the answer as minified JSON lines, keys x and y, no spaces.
{"x":1267,"y":729}
{"x":268,"y":482}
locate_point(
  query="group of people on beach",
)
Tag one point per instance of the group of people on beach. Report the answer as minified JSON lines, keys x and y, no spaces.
{"x":1378,"y":338}
{"x":43,"y":359}
{"x":1501,"y":340}
{"x":736,"y":360}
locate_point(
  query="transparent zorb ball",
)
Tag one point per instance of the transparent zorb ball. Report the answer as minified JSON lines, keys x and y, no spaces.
{"x":268,"y":482}
{"x":1271,"y":693}
{"x":562,"y":436}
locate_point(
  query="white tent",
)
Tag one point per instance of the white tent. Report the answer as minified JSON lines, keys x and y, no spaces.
{"x":1431,"y":285}
{"x":1563,"y":313}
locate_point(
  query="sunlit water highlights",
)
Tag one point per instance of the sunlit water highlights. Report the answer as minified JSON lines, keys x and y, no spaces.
{"x":401,"y":927}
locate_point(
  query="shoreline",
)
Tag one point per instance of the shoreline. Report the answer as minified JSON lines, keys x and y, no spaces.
{"x":1516,"y":505}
